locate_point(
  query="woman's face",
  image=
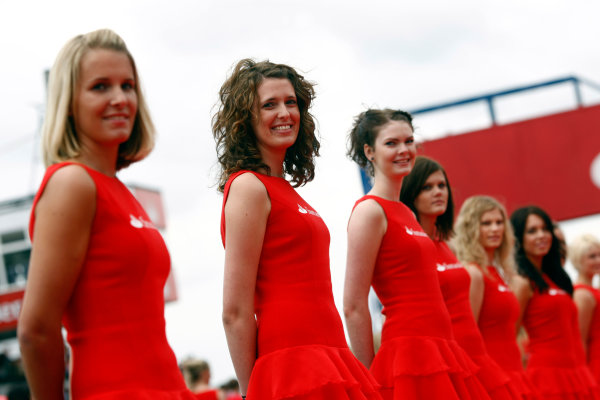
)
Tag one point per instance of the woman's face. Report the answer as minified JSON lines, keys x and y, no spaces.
{"x":433,"y":197}
{"x":104,"y":100}
{"x":394,"y":150}
{"x":590,"y":261}
{"x":537,"y":238}
{"x":278,"y":116}
{"x":491,"y":229}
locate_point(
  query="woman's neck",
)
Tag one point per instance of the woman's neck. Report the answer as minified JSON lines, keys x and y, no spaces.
{"x":536,"y":262}
{"x":584,"y":279}
{"x":428,"y":224}
{"x":386,"y":188}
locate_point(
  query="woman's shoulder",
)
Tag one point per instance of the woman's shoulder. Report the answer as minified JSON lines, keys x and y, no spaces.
{"x":70,"y":179}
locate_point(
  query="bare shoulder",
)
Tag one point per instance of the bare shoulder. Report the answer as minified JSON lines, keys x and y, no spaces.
{"x":68,"y":190}
{"x":584,"y":296}
{"x":474,"y":271}
{"x":368,"y":210}
{"x":521,"y":286}
{"x":248,"y":186}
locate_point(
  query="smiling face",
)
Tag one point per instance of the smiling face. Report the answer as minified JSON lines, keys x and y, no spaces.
{"x":104,"y":104}
{"x":433,"y":197}
{"x":394,"y":150}
{"x":590,"y":261}
{"x":491,"y":229}
{"x":277,"y":121}
{"x":537,"y":238}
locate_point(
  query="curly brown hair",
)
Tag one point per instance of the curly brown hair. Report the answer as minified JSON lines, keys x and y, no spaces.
{"x":232,"y":124}
{"x":366,"y":127}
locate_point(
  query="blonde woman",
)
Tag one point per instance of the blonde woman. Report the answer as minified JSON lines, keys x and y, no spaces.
{"x":98,"y":264}
{"x":584,"y":254}
{"x":484,"y":242}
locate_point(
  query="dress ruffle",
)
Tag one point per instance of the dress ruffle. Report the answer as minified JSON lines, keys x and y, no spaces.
{"x":497,"y":383}
{"x":564,"y":383}
{"x":139,"y":394}
{"x":523,"y":385}
{"x":417,"y":367}
{"x":311,"y":372}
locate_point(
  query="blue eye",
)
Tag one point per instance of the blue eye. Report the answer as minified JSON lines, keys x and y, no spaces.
{"x":99,"y":86}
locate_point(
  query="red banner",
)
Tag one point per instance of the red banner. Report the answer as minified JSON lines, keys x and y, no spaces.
{"x":10,"y":306}
{"x":551,"y":161}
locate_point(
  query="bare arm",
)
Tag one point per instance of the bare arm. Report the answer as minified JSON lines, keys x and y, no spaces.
{"x":586,"y":303}
{"x":64,"y":216}
{"x":523,"y":291}
{"x":365,"y":231}
{"x":246,"y":212}
{"x":476,"y":289}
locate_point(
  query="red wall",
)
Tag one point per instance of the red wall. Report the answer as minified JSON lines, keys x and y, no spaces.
{"x":544,"y":161}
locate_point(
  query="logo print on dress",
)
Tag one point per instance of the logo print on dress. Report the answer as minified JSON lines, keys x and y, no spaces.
{"x":502,"y":288}
{"x":140,"y":222}
{"x":303,"y":210}
{"x":413,"y":232}
{"x":555,"y":292}
{"x":444,"y":267}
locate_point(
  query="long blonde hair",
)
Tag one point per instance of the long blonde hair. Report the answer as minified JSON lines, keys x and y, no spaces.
{"x":59,"y":138}
{"x":466,"y":241}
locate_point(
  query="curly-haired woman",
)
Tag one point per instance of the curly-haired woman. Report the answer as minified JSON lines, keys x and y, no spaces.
{"x":284,"y":333}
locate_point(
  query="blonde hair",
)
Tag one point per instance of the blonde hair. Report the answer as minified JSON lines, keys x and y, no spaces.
{"x":59,"y":138}
{"x":466,"y":241}
{"x":581,"y":245}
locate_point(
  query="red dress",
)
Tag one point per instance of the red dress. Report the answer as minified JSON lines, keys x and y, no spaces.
{"x":418,"y":357}
{"x":498,"y":326}
{"x":115,"y":317}
{"x":593,"y":344}
{"x":455,"y":284}
{"x":556,"y":366}
{"x":301,"y":346}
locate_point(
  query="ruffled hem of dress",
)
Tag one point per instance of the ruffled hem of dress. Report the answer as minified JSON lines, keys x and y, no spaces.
{"x":577,"y":383}
{"x":523,"y":385}
{"x":426,"y":367}
{"x":142,"y":394}
{"x":311,"y":372}
{"x":493,"y":378}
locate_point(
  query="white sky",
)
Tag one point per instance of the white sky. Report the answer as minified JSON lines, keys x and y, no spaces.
{"x":361,"y":54}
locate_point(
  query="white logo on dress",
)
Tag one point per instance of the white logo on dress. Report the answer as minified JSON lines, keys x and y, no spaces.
{"x":139,"y":222}
{"x":413,"y":232}
{"x":502,"y":288}
{"x":444,"y":267}
{"x":555,"y":292}
{"x":306,"y":211}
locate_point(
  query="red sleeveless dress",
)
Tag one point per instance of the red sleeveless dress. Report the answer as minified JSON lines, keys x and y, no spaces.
{"x":498,"y":326}
{"x":455,"y":284}
{"x":593,"y":344}
{"x":115,"y":317}
{"x":556,"y":366}
{"x":418,"y":357}
{"x":301,"y":346}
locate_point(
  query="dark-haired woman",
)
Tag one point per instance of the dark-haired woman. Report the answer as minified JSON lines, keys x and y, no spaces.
{"x":557,"y":363}
{"x":388,"y":249}
{"x":427,"y":192}
{"x":484,"y":243}
{"x":284,"y":333}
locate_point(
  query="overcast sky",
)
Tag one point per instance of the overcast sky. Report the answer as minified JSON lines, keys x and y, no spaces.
{"x":361,"y":54}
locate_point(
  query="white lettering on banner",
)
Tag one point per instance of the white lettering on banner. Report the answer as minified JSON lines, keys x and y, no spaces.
{"x":413,"y":232}
{"x":9,"y":311}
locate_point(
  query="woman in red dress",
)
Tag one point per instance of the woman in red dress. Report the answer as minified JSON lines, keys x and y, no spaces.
{"x":98,"y":265}
{"x":584,"y":254}
{"x":556,"y":366}
{"x":427,"y":192}
{"x":388,"y":249}
{"x":484,"y":244}
{"x":285,"y":336}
